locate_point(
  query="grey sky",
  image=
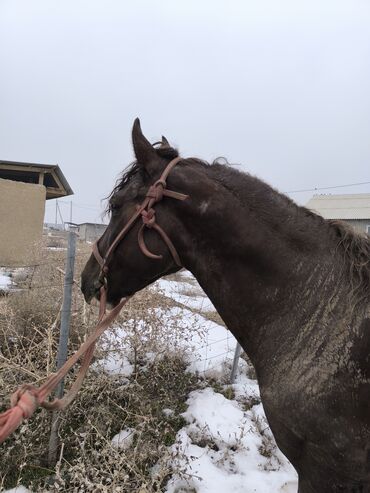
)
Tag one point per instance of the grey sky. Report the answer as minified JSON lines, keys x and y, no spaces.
{"x":282,"y":87}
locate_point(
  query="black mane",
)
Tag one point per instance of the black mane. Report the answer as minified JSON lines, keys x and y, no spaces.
{"x":304,"y":223}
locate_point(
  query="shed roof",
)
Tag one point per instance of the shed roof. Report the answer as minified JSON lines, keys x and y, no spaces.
{"x":345,"y":206}
{"x":49,"y":175}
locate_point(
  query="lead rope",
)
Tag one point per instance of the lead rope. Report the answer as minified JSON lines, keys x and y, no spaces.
{"x":28,"y":398}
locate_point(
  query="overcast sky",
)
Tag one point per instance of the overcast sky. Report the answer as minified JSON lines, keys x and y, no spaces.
{"x":282,"y":87}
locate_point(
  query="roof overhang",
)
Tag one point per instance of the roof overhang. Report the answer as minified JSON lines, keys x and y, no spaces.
{"x":49,"y":175}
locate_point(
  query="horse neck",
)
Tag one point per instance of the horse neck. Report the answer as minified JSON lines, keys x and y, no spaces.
{"x":254,"y":263}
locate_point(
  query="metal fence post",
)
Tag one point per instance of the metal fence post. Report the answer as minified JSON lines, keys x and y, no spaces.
{"x":63,"y":340}
{"x":237,"y":354}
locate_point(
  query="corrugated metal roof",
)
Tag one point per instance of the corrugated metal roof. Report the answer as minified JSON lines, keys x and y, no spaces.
{"x":346,"y":206}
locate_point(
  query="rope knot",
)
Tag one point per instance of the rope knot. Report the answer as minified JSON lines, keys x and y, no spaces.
{"x":155,"y":191}
{"x":148,"y":217}
{"x":26,"y":400}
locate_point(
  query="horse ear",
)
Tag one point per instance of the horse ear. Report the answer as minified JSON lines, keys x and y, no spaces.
{"x":144,"y":151}
{"x":165,"y":141}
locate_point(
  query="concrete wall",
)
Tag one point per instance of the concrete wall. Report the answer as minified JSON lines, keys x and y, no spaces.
{"x":22,"y":207}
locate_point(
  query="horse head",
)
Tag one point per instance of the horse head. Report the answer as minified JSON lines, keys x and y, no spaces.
{"x":141,"y":257}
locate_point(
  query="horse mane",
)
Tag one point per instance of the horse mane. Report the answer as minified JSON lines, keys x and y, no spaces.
{"x":355,"y":247}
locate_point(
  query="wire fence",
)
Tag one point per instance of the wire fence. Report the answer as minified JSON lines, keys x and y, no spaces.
{"x":209,"y":358}
{"x":225,"y":357}
{"x":35,"y":282}
{"x":44,"y":263}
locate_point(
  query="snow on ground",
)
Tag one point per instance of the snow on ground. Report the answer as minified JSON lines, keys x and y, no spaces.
{"x":116,"y":351}
{"x":124,"y":439}
{"x":226,"y":445}
{"x":115,"y":363}
{"x":18,"y":489}
{"x":207,"y":346}
{"x":225,"y":448}
{"x":5,"y":280}
{"x":185,"y":294}
{"x":210,"y":351}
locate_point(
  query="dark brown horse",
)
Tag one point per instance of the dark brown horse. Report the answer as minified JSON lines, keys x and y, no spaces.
{"x":292,"y":287}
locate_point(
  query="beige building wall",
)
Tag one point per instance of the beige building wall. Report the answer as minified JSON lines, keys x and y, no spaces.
{"x":22,"y":207}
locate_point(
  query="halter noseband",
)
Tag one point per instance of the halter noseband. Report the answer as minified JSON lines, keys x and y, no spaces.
{"x":155,"y":194}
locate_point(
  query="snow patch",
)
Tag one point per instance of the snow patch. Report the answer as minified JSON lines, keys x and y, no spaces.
{"x":117,"y":351}
{"x":5,"y":281}
{"x":222,"y":449}
{"x":179,"y":292}
{"x":115,"y":363}
{"x":207,"y":346}
{"x":18,"y":489}
{"x":124,"y":439}
{"x":212,"y":416}
{"x":168,"y":412}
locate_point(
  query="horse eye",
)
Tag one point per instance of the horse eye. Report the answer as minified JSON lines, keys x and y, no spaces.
{"x":113,"y":208}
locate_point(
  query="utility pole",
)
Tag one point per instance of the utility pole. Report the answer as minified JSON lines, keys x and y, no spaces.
{"x":60,"y":215}
{"x":63,"y":339}
{"x":56,"y":213}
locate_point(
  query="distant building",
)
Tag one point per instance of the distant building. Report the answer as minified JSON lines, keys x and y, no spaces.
{"x":53,"y":227}
{"x":24,"y":187}
{"x":351,"y":208}
{"x":90,"y":232}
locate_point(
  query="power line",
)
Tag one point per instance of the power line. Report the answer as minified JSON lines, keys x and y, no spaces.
{"x":329,"y":188}
{"x":80,"y":205}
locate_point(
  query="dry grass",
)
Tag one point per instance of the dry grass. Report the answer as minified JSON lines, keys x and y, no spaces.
{"x":29,"y":326}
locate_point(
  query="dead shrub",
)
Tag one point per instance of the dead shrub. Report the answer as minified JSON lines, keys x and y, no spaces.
{"x":29,"y":332}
